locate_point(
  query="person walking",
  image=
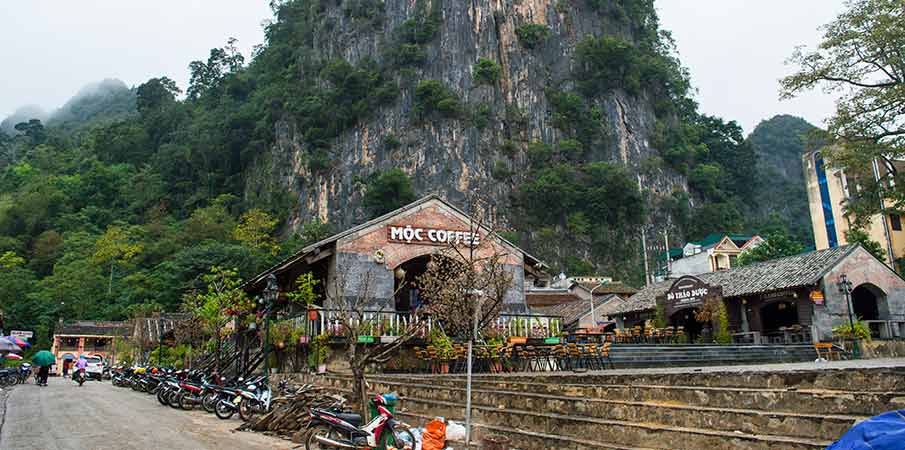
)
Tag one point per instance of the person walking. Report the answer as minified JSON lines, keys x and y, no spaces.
{"x":43,"y":359}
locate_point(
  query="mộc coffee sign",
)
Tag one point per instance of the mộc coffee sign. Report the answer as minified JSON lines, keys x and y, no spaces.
{"x":408,"y":234}
{"x":688,"y":292}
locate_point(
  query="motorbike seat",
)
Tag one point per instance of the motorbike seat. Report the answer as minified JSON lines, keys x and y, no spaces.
{"x":351,"y":418}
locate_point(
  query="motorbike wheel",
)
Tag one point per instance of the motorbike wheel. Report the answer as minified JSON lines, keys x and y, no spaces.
{"x":209,"y":401}
{"x":184,"y":403}
{"x":247,"y":411}
{"x":223,"y":410}
{"x":174,"y":400}
{"x":161,"y":397}
{"x":81,"y":381}
{"x":320,"y":430}
{"x":400,"y":438}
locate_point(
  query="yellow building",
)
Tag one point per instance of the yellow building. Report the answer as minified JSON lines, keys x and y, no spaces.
{"x":829,"y":188}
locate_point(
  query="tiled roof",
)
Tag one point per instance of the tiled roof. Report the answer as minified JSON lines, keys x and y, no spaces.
{"x":791,"y":272}
{"x":572,"y":312}
{"x":609,"y":288}
{"x":548,"y":297}
{"x":95,"y":328}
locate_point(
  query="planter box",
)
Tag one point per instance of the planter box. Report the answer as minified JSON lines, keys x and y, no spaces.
{"x":551,"y":340}
{"x":365,"y":339}
{"x":518,"y":340}
{"x":388,"y":339}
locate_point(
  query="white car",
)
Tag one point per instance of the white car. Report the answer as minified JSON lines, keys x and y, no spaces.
{"x":95,"y":367}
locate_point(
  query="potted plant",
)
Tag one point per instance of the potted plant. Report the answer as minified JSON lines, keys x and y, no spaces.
{"x":320,"y":350}
{"x":443,"y":346}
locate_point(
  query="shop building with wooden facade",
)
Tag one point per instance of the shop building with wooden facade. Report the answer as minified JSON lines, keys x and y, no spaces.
{"x":787,"y":300}
{"x":88,"y":338}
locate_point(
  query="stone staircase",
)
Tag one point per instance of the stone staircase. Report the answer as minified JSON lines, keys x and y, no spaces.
{"x":733,"y":409}
{"x":676,"y":355}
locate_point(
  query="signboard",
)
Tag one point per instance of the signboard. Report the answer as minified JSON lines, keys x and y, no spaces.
{"x":817,"y":297}
{"x":407,"y":234}
{"x":21,"y":334}
{"x":688,"y":292}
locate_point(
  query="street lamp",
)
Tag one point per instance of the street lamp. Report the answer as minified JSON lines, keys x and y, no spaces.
{"x":845,"y":287}
{"x":591,"y":301}
{"x":269,"y":297}
{"x":474,"y":335}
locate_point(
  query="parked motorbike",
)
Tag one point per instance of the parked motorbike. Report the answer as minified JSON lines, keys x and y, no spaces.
{"x":332,"y":430}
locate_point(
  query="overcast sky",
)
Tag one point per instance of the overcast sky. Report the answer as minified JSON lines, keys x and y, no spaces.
{"x":735,"y":49}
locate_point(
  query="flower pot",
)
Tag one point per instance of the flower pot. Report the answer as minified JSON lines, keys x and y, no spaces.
{"x":389,"y":339}
{"x":312,"y":314}
{"x":365,"y":339}
{"x":518,"y":340}
{"x":321,"y":368}
{"x":303,"y":339}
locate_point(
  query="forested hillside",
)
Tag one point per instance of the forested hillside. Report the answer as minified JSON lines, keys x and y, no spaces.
{"x":779,"y":143}
{"x":571,"y":119}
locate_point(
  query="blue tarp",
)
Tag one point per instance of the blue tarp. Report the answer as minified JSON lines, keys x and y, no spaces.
{"x":883,"y":432}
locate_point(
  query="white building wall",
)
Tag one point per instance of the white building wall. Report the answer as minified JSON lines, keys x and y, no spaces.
{"x":691,"y":265}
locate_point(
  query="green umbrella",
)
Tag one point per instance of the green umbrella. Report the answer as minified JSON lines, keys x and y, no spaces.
{"x":43,"y":358}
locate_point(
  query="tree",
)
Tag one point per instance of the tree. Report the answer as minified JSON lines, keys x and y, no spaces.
{"x":859,"y":236}
{"x":776,"y":245}
{"x":155,"y":94}
{"x":117,"y":245}
{"x":254,"y":230}
{"x":861,"y":59}
{"x":218,"y":304}
{"x":388,"y":191}
{"x":360,"y":314}
{"x":467,"y":282}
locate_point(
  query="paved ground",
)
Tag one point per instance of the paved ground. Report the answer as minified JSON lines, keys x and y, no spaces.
{"x":98,"y":416}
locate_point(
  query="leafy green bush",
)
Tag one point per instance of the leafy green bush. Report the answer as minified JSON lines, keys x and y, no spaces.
{"x":862,"y":331}
{"x":607,"y":63}
{"x":500,"y":171}
{"x":432,"y":96}
{"x":481,"y":116}
{"x":391,"y":142}
{"x":486,"y":71}
{"x":532,"y":35}
{"x":539,"y":153}
{"x":388,"y":191}
{"x":509,"y":148}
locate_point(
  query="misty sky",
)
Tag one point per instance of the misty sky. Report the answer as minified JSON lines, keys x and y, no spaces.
{"x":735,"y":49}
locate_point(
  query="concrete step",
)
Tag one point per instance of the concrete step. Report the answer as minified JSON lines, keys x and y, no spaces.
{"x":729,"y":419}
{"x":585,"y":432}
{"x":865,"y":380}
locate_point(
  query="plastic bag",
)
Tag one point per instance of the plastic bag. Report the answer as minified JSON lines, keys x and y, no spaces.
{"x":434,"y":437}
{"x":455,"y":431}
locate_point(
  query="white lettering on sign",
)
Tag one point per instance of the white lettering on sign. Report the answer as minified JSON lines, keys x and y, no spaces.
{"x":687,"y":295}
{"x":433,"y":236}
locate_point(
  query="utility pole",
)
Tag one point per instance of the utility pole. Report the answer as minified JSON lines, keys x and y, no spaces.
{"x":644,"y":253}
{"x":668,"y":259}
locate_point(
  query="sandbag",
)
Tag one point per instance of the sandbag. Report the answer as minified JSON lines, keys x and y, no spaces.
{"x":455,"y":431}
{"x":434,"y":437}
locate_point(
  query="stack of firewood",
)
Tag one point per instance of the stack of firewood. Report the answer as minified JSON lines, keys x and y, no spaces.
{"x":289,"y":415}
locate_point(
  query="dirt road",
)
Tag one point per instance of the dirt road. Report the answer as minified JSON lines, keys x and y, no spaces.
{"x":98,"y":416}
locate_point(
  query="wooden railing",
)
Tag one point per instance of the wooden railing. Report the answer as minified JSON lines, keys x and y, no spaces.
{"x":390,"y":323}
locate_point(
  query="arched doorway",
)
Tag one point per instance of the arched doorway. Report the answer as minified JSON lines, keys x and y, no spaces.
{"x":408,"y":293}
{"x":779,"y":314}
{"x":866,"y":302}
{"x":685,"y":318}
{"x":869,"y":303}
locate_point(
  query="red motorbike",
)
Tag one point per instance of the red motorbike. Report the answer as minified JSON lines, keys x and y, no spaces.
{"x":332,"y":430}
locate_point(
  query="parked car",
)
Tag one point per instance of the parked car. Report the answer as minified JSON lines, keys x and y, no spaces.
{"x":95,"y":368}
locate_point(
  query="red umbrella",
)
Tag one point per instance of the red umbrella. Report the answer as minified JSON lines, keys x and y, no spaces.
{"x":12,"y":356}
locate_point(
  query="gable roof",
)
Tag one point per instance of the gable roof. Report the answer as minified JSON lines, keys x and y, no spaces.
{"x":572,"y":312}
{"x":805,"y":269}
{"x":715,"y":238}
{"x":284,"y":264}
{"x":95,"y":328}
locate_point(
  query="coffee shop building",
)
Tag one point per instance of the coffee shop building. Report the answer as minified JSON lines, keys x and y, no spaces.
{"x":788,"y":300}
{"x":383,"y":258}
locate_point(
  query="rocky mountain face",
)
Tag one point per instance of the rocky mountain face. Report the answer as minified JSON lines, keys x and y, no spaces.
{"x":489,"y":123}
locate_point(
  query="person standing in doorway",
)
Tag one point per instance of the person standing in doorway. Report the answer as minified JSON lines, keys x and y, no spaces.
{"x":66,"y":363}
